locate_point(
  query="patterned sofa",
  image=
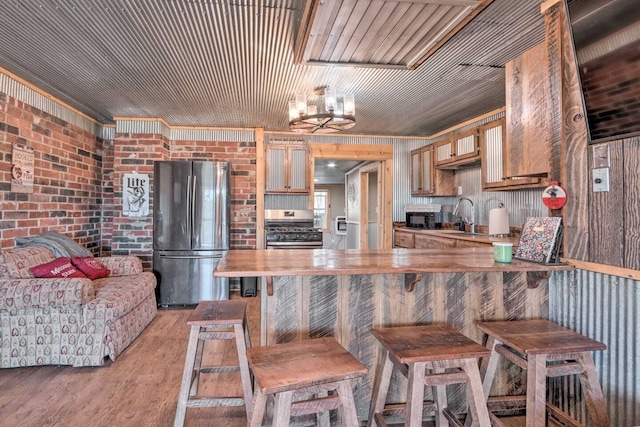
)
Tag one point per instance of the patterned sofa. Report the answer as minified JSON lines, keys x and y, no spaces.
{"x":70,"y":321}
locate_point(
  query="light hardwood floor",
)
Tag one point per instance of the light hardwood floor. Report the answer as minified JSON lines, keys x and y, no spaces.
{"x":139,"y":389}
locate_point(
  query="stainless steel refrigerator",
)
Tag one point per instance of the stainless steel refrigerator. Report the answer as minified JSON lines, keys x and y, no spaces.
{"x":190,"y":230}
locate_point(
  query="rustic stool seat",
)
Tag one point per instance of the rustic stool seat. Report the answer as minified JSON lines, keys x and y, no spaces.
{"x":303,"y":368}
{"x":435,"y":356}
{"x":214,"y":320}
{"x":530,"y":344}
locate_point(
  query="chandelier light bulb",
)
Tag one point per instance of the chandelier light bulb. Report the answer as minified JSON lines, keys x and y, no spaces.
{"x":330,"y":99}
{"x":349,"y":104}
{"x":301,"y":103}
{"x":293,"y":110}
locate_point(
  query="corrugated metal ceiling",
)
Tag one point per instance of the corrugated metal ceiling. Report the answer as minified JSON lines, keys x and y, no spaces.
{"x":231,"y":63}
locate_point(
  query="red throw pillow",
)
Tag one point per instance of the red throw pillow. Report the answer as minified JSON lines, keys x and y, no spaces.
{"x":91,"y":267}
{"x":59,"y":267}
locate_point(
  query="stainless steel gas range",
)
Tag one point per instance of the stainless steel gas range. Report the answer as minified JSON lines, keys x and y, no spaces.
{"x":291,"y":229}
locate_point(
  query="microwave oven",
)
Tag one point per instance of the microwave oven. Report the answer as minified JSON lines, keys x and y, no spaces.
{"x":429,"y":220}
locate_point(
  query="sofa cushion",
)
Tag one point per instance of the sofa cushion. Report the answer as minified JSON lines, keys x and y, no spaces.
{"x":91,"y":267}
{"x":18,"y":261}
{"x":59,"y":267}
{"x":117,"y":295}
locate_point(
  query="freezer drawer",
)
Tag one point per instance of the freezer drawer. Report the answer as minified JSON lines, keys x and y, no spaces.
{"x":186,"y":278}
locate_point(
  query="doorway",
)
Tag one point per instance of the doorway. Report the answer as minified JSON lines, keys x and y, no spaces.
{"x":375,"y":176}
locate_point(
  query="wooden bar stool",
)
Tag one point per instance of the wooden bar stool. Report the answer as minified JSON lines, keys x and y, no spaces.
{"x":435,"y":356}
{"x":214,"y":320}
{"x":303,"y":368}
{"x":530,"y":344}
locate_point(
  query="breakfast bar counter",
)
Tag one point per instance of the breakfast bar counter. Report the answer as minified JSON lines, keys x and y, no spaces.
{"x":345,"y":293}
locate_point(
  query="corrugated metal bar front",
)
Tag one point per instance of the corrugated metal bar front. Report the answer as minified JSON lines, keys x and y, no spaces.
{"x":605,"y":308}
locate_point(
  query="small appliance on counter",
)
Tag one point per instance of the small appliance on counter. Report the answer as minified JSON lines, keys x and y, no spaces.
{"x":424,"y":216}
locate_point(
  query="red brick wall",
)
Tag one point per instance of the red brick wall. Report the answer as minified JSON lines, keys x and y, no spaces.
{"x":68,"y":173}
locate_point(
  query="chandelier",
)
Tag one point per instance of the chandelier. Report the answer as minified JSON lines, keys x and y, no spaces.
{"x":338,"y":115}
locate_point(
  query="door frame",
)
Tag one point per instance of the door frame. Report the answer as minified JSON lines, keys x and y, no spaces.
{"x":364,"y":152}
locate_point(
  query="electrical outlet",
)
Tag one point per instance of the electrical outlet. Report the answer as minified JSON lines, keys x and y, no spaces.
{"x":600,"y":179}
{"x":459,"y":190}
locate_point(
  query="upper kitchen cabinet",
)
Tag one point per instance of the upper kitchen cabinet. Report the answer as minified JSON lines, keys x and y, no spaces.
{"x":528,"y":119}
{"x":460,"y":149}
{"x":426,"y":180}
{"x":287,"y":168}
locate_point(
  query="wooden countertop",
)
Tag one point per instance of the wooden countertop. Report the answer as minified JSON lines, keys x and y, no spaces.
{"x":317,"y":262}
{"x":452,"y":234}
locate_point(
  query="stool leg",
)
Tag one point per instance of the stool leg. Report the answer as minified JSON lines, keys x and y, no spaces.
{"x":323,"y":418}
{"x":440,"y":399}
{"x":258,"y":409}
{"x":596,"y":407}
{"x":241,"y":347}
{"x":282,"y":409}
{"x":415,"y":395}
{"x":187,"y":374}
{"x":380,"y":387}
{"x":348,"y":408}
{"x":475,"y":397}
{"x":197,"y":364}
{"x":536,"y":390}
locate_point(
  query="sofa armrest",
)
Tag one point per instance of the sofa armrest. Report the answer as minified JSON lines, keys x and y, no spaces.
{"x":37,"y":293}
{"x":122,"y":265}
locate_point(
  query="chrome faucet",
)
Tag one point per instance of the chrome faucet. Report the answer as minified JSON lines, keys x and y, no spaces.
{"x":472,"y":220}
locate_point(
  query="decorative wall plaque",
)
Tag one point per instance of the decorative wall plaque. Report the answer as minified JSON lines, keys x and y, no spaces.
{"x":22,"y":169}
{"x":135,"y":195}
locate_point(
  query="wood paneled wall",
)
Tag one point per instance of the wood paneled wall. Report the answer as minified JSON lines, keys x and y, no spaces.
{"x":599,"y":227}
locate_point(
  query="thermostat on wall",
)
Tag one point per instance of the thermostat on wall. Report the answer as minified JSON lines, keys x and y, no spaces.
{"x":340,"y":225}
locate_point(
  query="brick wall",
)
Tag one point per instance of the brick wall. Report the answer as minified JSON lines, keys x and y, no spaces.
{"x":68,"y":173}
{"x":78,"y":182}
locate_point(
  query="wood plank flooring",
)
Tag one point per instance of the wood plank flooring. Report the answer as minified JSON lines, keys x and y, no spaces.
{"x":139,"y":389}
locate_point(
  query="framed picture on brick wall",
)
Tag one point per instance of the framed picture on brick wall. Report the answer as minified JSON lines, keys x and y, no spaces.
{"x":21,"y":169}
{"x":135,"y":195}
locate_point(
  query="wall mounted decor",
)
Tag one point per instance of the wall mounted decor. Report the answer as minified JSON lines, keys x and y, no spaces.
{"x":135,"y":195}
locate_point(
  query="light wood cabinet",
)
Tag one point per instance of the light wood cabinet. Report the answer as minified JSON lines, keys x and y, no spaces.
{"x":426,"y":180}
{"x":403,"y":239}
{"x":286,"y":168}
{"x":461,"y":149}
{"x":433,"y":242}
{"x":528,"y":119}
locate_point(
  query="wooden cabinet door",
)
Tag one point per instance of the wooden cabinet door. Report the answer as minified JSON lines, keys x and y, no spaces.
{"x":432,"y":242}
{"x":297,"y":169}
{"x":276,"y":169}
{"x":416,"y":172}
{"x":426,"y":178}
{"x":466,"y":145}
{"x":528,"y":115}
{"x":286,"y":169}
{"x":444,"y":151}
{"x":492,"y":150}
{"x":402,"y":239}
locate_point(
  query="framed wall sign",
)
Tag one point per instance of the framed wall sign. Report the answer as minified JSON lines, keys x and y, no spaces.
{"x":22,"y":169}
{"x":135,"y":195}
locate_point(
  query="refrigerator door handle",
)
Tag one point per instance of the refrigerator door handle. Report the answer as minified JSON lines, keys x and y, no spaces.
{"x":188,"y":200}
{"x":190,"y":256}
{"x":193,"y":205}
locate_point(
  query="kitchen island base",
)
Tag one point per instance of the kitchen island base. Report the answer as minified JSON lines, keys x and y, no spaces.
{"x":348,"y":307}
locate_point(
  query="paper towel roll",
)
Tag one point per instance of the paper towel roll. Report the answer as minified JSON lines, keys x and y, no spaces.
{"x":499,"y":221}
